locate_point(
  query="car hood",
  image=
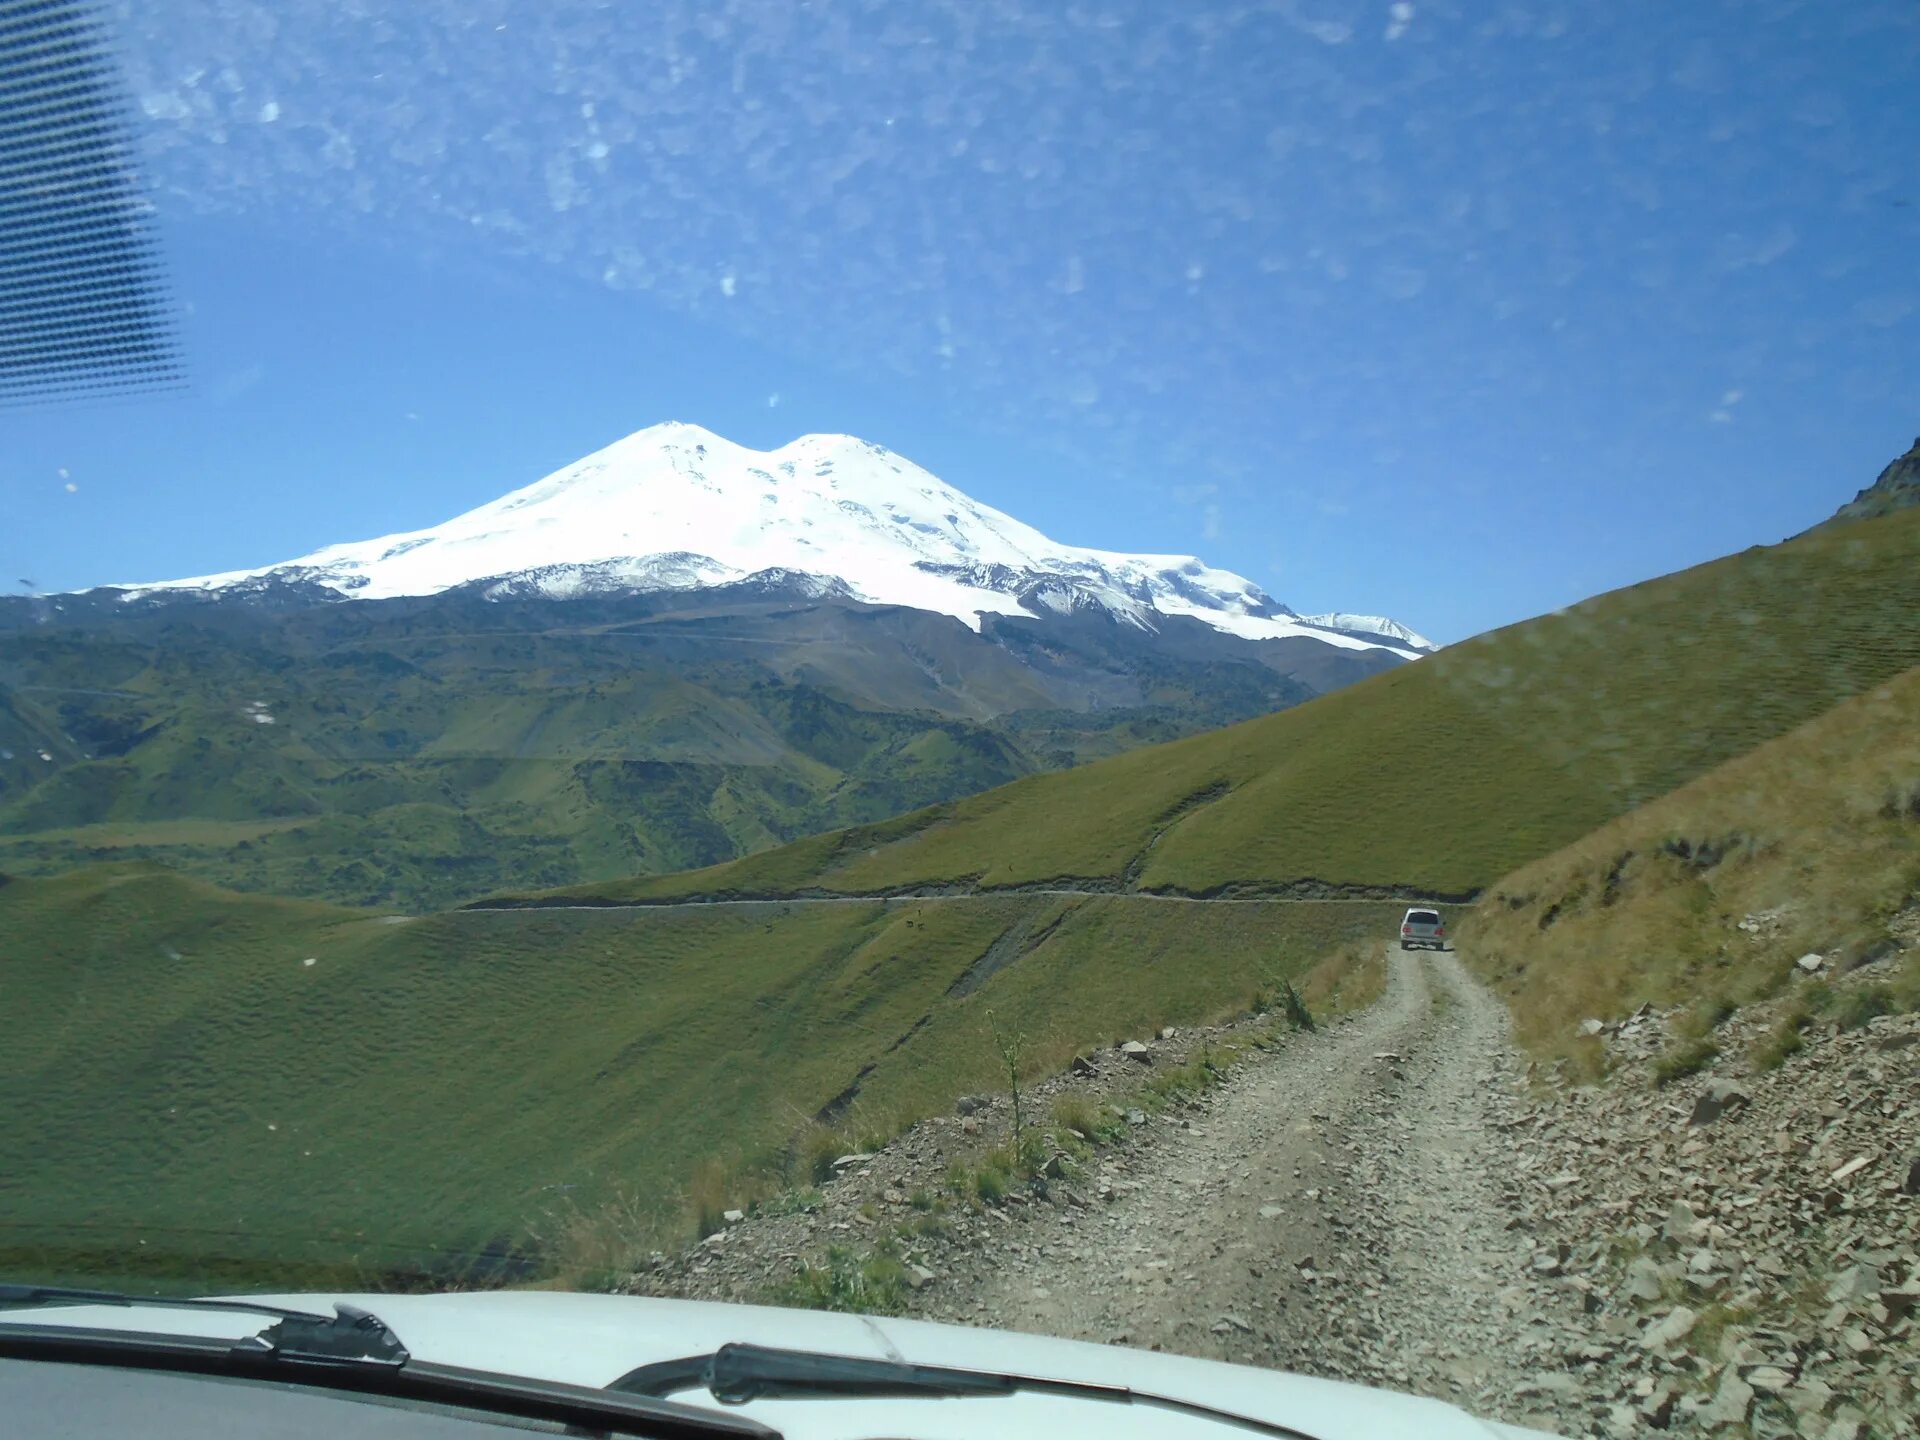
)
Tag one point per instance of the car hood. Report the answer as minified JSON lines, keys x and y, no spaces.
{"x":594,"y":1339}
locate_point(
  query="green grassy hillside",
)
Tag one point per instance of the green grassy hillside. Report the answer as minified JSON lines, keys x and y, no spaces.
{"x":1818,"y":832}
{"x":1440,"y":776}
{"x":235,"y":1080}
{"x":445,"y":1081}
{"x":436,"y":749}
{"x":463,"y":777}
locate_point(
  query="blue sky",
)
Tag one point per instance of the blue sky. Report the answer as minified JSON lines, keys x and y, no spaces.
{"x":1453,"y":312}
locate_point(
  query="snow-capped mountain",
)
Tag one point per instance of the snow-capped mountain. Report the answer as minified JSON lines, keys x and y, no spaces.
{"x":676,"y":507}
{"x":1368,"y":625}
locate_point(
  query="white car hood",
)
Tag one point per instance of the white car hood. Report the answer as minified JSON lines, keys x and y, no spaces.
{"x":592,"y":1340}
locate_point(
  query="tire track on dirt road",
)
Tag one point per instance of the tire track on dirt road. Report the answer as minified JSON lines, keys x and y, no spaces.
{"x":1340,"y":1208}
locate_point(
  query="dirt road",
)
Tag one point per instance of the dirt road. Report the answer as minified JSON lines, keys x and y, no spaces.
{"x":1342,"y":1208}
{"x":1383,"y":1202}
{"x":960,"y":897}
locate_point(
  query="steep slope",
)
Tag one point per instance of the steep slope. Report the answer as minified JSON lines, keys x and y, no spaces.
{"x":676,"y":507}
{"x":32,"y":744}
{"x":370,"y":1093}
{"x":1440,"y":776}
{"x":1817,"y":833}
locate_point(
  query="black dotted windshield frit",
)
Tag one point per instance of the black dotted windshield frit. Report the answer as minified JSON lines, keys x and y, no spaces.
{"x":83,"y":304}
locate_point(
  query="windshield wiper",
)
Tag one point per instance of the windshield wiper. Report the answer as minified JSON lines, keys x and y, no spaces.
{"x":349,"y":1336}
{"x":351,"y":1350}
{"x":736,"y":1374}
{"x":60,"y":1294}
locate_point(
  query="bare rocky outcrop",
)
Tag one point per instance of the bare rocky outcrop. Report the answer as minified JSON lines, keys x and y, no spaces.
{"x":1897,"y":488}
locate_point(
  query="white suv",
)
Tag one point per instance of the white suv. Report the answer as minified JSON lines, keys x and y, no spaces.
{"x":1422,"y":930}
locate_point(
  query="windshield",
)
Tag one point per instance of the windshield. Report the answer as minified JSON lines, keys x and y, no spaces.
{"x":772,"y":653}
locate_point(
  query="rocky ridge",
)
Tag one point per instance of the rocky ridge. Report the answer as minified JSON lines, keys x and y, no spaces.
{"x":1897,"y":487}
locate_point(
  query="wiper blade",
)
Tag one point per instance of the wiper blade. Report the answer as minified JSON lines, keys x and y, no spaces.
{"x":59,"y":1294}
{"x":736,"y":1374}
{"x":345,"y":1353}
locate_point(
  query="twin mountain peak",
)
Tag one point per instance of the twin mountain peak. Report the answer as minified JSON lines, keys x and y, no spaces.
{"x":675,"y":507}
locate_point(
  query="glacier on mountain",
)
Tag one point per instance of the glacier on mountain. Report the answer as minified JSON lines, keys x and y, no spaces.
{"x":676,"y":507}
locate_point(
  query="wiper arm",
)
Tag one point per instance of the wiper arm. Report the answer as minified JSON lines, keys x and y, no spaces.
{"x":349,"y":1336}
{"x":352,"y":1337}
{"x":349,"y":1351}
{"x":736,"y":1374}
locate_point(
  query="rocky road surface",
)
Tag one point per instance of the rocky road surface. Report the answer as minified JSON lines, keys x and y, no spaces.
{"x":1338,"y":1211}
{"x":1388,"y":1201}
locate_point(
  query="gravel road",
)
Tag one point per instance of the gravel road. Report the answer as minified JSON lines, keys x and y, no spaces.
{"x":1339,"y":1209}
{"x":1384,"y":1202}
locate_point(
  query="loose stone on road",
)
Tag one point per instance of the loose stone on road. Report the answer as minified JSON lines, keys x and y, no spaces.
{"x":1338,"y":1211}
{"x":1385,"y":1201}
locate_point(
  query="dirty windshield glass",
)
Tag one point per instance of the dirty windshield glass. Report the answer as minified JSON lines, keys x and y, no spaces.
{"x":823,"y":656}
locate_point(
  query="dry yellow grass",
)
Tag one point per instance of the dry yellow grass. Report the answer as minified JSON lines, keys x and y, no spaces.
{"x":1349,"y":979}
{"x":1817,"y":833}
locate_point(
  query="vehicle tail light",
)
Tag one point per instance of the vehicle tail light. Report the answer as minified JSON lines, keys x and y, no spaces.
{"x":1406,"y":929}
{"x":1439,"y":929}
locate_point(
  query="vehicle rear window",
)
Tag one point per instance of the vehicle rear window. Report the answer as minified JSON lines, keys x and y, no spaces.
{"x":1423,"y":917}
